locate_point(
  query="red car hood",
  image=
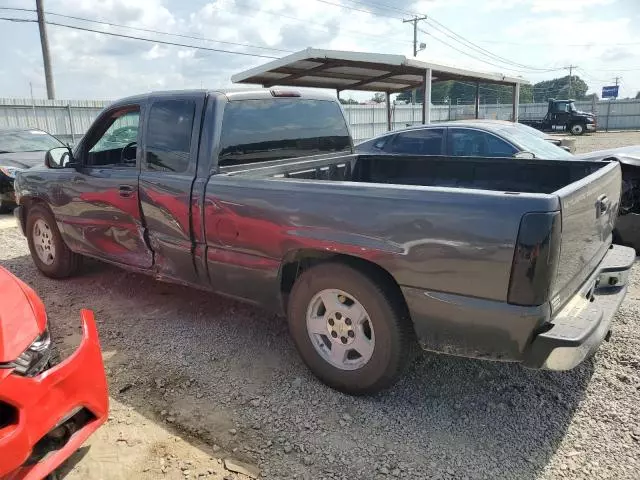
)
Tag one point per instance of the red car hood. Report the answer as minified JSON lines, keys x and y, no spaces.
{"x":22,"y":316}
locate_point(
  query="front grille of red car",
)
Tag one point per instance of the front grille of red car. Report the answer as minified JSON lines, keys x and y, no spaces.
{"x":8,"y":415}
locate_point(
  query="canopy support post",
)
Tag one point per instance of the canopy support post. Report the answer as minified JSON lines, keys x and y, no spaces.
{"x":388,"y":101}
{"x":426,"y":102}
{"x":516,"y":102}
{"x":477,"y":100}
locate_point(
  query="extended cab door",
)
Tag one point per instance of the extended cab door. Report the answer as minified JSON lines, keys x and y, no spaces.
{"x":168,"y":171}
{"x":99,"y":209}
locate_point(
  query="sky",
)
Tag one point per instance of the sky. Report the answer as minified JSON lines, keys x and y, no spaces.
{"x":539,"y":36}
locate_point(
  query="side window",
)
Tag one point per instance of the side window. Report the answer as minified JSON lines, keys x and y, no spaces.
{"x":425,"y":141}
{"x":169,"y":135}
{"x":379,"y":145}
{"x":499,"y":148}
{"x":474,"y":143}
{"x":113,"y":144}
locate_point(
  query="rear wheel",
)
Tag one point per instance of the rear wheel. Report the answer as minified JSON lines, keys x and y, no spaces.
{"x":577,"y":129}
{"x":48,"y":251}
{"x":350,"y":328}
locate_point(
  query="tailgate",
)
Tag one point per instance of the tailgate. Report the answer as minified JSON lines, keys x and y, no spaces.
{"x":589,"y":208}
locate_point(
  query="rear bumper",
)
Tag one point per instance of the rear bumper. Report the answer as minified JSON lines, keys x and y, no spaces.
{"x":579,"y":328}
{"x":591,"y":127}
{"x":75,"y":390}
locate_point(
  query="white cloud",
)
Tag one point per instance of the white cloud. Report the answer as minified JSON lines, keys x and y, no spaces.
{"x":538,"y":6}
{"x":88,"y":65}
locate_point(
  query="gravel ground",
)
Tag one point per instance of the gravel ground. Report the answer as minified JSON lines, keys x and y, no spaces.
{"x":196,"y":379}
{"x":602,"y":140}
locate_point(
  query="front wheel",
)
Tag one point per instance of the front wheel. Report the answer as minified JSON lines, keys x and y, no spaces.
{"x":350,"y":328}
{"x":48,"y":250}
{"x":577,"y":129}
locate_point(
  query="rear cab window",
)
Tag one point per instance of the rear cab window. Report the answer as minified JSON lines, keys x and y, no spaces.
{"x":273,"y":129}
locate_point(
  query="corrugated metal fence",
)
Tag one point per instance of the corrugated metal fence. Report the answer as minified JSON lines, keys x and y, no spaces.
{"x":69,"y":119}
{"x":66,"y":119}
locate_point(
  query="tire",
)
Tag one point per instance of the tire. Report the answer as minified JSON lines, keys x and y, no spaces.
{"x":62,"y":262}
{"x":390,"y":340}
{"x":577,"y":129}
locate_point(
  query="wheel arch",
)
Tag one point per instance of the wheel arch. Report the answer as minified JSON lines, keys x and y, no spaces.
{"x":296,"y":262}
{"x":26,"y":203}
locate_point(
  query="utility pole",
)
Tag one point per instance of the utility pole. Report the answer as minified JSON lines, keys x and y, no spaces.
{"x":617,"y":80}
{"x":46,"y":59}
{"x":415,"y":21}
{"x":570,"y":67}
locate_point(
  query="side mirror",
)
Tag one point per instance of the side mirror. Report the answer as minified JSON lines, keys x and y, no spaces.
{"x":59,"y":157}
{"x":524,"y":155}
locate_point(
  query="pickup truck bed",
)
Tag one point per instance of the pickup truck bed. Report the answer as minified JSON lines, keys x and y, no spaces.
{"x":482,"y":257}
{"x":495,"y":174}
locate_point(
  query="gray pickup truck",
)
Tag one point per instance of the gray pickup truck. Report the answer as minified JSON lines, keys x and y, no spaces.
{"x":258,"y":195}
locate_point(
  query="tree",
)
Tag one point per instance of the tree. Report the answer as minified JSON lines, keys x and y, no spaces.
{"x":465,"y":92}
{"x":637,"y":95}
{"x":559,"y":88}
{"x":348,"y":101}
{"x":378,"y":97}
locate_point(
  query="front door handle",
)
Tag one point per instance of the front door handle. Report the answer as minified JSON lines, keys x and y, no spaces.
{"x":125,"y":191}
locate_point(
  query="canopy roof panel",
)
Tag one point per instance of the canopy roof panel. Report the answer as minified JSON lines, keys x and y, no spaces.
{"x":344,"y":70}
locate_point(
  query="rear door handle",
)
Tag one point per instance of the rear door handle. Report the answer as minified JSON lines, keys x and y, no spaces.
{"x":125,"y":191}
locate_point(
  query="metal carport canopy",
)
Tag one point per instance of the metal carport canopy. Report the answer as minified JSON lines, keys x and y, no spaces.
{"x":377,"y":72}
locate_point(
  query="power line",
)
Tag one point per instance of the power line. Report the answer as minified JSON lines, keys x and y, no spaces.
{"x":162,"y":42}
{"x":322,"y":25}
{"x":358,"y":9}
{"x":473,"y":56}
{"x":148,"y":30}
{"x":441,"y":28}
{"x":384,"y":6}
{"x":469,"y":44}
{"x":546,"y":44}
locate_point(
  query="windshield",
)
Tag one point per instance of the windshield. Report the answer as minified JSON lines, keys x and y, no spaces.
{"x":27,"y":141}
{"x":540,"y":147}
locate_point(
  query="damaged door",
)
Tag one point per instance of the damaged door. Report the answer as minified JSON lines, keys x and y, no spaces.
{"x":166,"y":179}
{"x":102,"y":217}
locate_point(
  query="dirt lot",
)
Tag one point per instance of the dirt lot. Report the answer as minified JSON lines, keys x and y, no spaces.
{"x":195,"y":379}
{"x":601,"y":141}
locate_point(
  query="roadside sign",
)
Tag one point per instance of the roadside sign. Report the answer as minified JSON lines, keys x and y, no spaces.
{"x":610,"y":92}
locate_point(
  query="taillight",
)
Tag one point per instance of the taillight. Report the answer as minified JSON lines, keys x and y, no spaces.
{"x":284,"y":93}
{"x":535,"y":259}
